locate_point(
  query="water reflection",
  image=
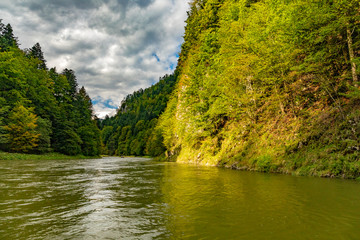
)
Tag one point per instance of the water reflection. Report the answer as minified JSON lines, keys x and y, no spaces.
{"x":243,"y":205}
{"x":135,"y":198}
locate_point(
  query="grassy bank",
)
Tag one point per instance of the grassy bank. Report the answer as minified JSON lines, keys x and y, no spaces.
{"x":46,"y":156}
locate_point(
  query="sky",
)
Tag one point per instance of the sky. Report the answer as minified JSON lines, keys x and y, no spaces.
{"x":115,"y":47}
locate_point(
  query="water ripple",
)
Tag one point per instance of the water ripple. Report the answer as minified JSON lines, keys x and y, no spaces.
{"x":135,"y":198}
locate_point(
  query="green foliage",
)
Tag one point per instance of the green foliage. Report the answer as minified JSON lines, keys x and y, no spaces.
{"x":66,"y":140}
{"x":7,"y":39}
{"x":256,"y":80}
{"x":54,"y":115}
{"x":21,"y":130}
{"x":154,"y":145}
{"x":73,"y":85}
{"x":3,"y":112}
{"x":44,"y":129}
{"x":106,"y":133}
{"x":90,"y":136}
{"x":37,"y":53}
{"x":132,"y":130}
{"x":44,"y":156}
{"x":124,"y":141}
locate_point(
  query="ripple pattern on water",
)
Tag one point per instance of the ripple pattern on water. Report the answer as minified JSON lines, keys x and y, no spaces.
{"x":136,"y":198}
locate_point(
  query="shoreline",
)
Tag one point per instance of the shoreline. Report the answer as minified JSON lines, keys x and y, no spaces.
{"x":45,"y":156}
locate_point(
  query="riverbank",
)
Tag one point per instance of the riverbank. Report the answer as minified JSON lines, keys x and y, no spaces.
{"x":45,"y":156}
{"x":325,"y":143}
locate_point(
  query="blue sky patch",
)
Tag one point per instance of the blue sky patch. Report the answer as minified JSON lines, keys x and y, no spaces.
{"x":156,"y":56}
{"x":107,"y":103}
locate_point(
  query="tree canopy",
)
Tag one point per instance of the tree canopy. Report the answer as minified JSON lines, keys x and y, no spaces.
{"x":132,"y":131}
{"x":40,"y":109}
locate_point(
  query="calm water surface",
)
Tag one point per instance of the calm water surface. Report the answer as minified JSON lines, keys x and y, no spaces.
{"x":136,"y":198}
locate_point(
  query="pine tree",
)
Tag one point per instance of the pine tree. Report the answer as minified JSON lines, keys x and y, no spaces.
{"x":7,"y":39}
{"x":84,"y":106}
{"x":36,"y":52}
{"x":71,"y":78}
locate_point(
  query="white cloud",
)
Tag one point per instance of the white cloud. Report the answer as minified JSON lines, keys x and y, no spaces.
{"x":111,"y":45}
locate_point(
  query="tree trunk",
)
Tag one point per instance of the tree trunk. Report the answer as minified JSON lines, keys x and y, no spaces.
{"x":351,"y":55}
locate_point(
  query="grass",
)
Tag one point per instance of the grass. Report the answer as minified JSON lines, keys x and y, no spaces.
{"x":45,"y":156}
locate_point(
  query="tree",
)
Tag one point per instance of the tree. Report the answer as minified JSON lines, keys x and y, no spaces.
{"x":136,"y":119}
{"x":349,"y":11}
{"x":83,"y":106}
{"x":71,"y":78}
{"x":37,"y":53}
{"x":90,"y":136}
{"x":21,"y":129}
{"x":154,"y":145}
{"x":7,"y":39}
{"x":3,"y":112}
{"x":56,"y":110}
{"x":44,"y":129}
{"x":124,"y":141}
{"x":65,"y":139}
{"x":106,"y":132}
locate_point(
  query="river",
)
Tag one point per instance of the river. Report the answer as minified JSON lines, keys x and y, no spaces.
{"x":137,"y":198}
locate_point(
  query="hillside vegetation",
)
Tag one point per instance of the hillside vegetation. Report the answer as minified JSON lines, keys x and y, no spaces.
{"x":261,"y":85}
{"x":132,"y":130}
{"x":269,"y":86}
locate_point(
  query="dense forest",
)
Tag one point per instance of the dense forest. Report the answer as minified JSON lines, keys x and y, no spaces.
{"x":42,"y":110}
{"x":260,"y":85}
{"x":269,"y":86}
{"x":132,"y":131}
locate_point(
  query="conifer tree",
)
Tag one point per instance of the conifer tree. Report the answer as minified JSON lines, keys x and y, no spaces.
{"x":36,"y":52}
{"x":7,"y":39}
{"x":71,"y":78}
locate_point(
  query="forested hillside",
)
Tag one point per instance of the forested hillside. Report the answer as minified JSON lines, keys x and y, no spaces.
{"x":260,"y":84}
{"x":269,"y":86}
{"x":132,"y":130}
{"x":42,"y":110}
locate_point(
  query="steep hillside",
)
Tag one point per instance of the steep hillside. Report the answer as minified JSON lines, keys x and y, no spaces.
{"x":268,"y":86}
{"x":132,"y":130}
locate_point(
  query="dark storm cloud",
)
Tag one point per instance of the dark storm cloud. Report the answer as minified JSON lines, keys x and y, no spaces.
{"x":110,"y":44}
{"x":80,"y":4}
{"x":140,"y":3}
{"x":39,"y":5}
{"x":69,"y":48}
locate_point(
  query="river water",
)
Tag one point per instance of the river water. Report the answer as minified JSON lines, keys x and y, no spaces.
{"x":137,"y":198}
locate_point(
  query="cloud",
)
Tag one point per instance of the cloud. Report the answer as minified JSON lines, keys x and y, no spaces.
{"x":114,"y":46}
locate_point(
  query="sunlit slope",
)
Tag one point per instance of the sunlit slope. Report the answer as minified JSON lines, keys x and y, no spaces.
{"x":268,"y":86}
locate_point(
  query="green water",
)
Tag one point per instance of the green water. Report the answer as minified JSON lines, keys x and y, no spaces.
{"x":134,"y":198}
